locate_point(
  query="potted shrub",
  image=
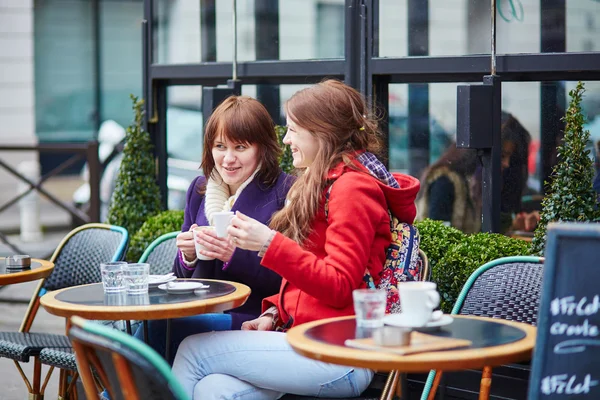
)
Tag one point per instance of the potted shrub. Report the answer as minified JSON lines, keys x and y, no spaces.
{"x":136,"y":195}
{"x":155,"y":226}
{"x":570,"y":195}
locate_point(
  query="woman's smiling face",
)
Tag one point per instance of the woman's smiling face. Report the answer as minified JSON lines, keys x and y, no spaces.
{"x":304,"y":145}
{"x":235,"y":162}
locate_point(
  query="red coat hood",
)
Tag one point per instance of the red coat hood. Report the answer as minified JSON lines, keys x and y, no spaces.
{"x":401,"y":201}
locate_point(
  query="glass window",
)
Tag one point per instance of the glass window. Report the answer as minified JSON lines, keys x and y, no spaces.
{"x":64,"y":71}
{"x":416,"y":111}
{"x":190,"y":31}
{"x":121,"y":59}
{"x":463,"y":28}
{"x":330,"y":30}
{"x":583,"y":24}
{"x":184,"y":141}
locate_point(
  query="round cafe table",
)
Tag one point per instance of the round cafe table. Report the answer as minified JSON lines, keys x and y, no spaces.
{"x":90,"y":301}
{"x":38,"y":269}
{"x":494,"y":342}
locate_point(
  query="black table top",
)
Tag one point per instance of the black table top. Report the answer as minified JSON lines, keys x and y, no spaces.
{"x":6,"y":271}
{"x":93,"y":295}
{"x":482,"y":332}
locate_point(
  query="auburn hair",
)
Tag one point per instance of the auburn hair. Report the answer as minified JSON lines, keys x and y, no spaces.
{"x":341,"y":121}
{"x":242,"y":119}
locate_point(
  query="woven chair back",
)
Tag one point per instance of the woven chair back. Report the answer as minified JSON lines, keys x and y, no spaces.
{"x":508,"y":291}
{"x":77,"y":261}
{"x":161,"y":254}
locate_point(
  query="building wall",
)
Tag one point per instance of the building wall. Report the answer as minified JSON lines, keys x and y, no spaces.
{"x":17,"y":103}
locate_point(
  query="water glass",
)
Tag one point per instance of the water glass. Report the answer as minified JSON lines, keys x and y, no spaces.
{"x":112,"y":276}
{"x":137,"y":277}
{"x":369,"y":307}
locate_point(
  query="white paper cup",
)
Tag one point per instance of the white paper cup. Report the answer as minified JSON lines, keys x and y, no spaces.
{"x":199,"y":247}
{"x":221,"y":221}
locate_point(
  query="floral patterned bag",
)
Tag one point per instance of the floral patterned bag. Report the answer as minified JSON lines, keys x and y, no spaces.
{"x":402,"y":262}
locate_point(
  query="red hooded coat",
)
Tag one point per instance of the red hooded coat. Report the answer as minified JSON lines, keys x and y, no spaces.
{"x":318,"y":279}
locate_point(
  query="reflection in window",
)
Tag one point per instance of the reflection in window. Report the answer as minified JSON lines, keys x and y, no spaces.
{"x":330,"y":30}
{"x":184,"y":141}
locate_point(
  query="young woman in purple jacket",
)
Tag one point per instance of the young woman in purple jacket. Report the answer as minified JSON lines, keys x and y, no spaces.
{"x":241,"y":173}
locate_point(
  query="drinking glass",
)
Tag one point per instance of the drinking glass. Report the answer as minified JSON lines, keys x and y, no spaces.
{"x":112,"y":276}
{"x":137,"y":277}
{"x":369,"y":307}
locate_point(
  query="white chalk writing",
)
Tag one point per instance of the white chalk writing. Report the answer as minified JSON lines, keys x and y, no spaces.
{"x":568,"y":306}
{"x":583,"y":329}
{"x":575,"y":346}
{"x":565,"y":384}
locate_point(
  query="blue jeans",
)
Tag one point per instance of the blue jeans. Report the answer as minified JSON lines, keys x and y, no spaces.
{"x":253,"y":365}
{"x":180,"y":329}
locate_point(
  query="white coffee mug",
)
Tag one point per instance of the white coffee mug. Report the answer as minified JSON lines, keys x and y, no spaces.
{"x":418,"y":300}
{"x":221,"y":220}
{"x":198,"y":246}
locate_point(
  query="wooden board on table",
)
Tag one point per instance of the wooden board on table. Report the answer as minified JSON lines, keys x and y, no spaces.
{"x":419,"y":343}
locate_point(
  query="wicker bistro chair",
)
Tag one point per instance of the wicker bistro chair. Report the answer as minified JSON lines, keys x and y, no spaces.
{"x":160,"y":255}
{"x":76,"y":262}
{"x":506,"y":288}
{"x":126,"y":367}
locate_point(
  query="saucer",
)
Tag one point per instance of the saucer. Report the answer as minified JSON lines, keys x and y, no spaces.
{"x":156,"y":280}
{"x":402,"y":321}
{"x":182,"y":287}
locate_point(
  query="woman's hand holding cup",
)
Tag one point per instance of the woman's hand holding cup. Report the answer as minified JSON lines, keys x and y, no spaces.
{"x":210,"y":246}
{"x":248,"y":233}
{"x":185,"y":243}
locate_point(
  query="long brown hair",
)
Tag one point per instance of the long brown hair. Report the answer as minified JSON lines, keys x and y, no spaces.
{"x":339,"y":118}
{"x":242,"y":119}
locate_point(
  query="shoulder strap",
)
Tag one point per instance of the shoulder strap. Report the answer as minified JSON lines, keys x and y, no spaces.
{"x":327,"y":194}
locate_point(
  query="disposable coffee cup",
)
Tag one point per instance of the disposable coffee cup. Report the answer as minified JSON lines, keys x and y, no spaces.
{"x":198,"y":246}
{"x":221,"y":220}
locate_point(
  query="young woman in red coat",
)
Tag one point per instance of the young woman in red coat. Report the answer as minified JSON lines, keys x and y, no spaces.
{"x":322,"y":259}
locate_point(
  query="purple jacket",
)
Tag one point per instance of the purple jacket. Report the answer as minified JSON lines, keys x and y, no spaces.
{"x":259,"y":203}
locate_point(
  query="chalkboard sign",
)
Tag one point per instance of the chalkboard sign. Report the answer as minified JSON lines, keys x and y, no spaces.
{"x":566,"y":360}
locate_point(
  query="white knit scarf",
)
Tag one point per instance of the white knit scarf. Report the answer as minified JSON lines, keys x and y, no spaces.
{"x":217,"y":196}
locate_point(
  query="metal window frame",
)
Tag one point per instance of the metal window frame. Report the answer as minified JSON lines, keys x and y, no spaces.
{"x":361,"y":68}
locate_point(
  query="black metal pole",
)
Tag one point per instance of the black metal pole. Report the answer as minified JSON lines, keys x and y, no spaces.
{"x":160,"y":140}
{"x":352,"y":43}
{"x":208,"y":30}
{"x":552,"y":94}
{"x":418,"y":94}
{"x":97,"y":115}
{"x":147,"y":28}
{"x":491,"y":161}
{"x":266,"y":36}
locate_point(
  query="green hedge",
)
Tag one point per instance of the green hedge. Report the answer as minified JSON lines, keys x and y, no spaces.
{"x":454,"y":256}
{"x":155,"y":226}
